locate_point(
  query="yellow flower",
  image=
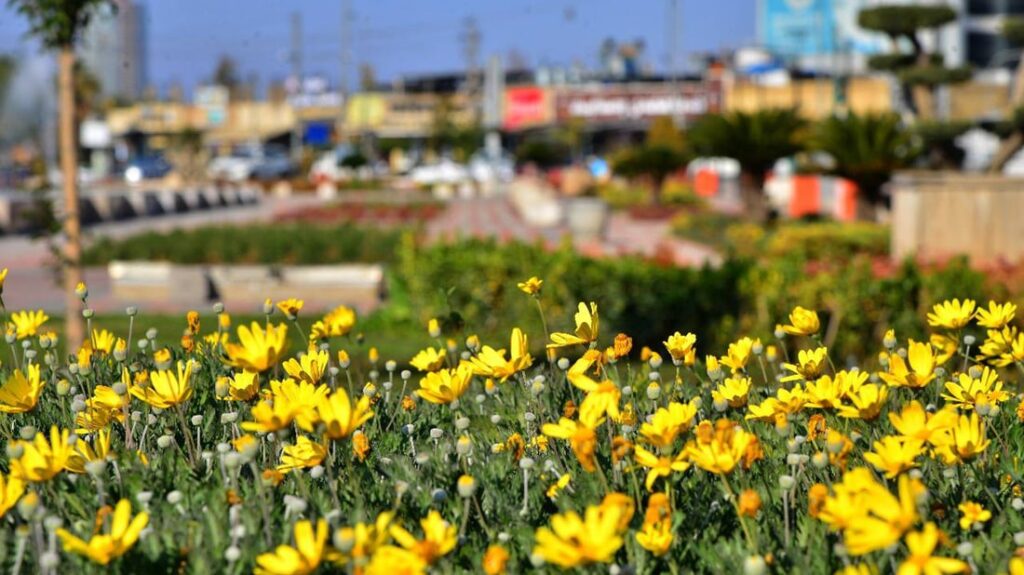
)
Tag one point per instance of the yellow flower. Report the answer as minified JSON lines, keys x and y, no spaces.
{"x":429,"y":359}
{"x":391,"y":560}
{"x":3,"y":277}
{"x":922,"y":367}
{"x":494,"y":560}
{"x":447,"y":385}
{"x":580,"y":434}
{"x":996,"y":346}
{"x":492,"y":363}
{"x":290,"y":400}
{"x":336,"y":323}
{"x":439,"y":538}
{"x":257,"y":350}
{"x":951,"y":314}
{"x":531,"y":286}
{"x":802,"y":322}
{"x":914,"y":422}
{"x":302,"y":559}
{"x":340,"y":420}
{"x":733,"y":391}
{"x":102,"y":340}
{"x":875,"y":518}
{"x":290,"y":307}
{"x":810,"y":364}
{"x":40,"y":459}
{"x":723,"y":450}
{"x":997,"y":316}
{"x":963,"y":441}
{"x":893,"y":455}
{"x":27,"y":323}
{"x":104,"y":548}
{"x":749,"y":503}
{"x":587,"y":324}
{"x":921,"y":545}
{"x":557,"y":487}
{"x":969,"y":392}
{"x":682,"y":347}
{"x":667,"y":423}
{"x":573,"y":541}
{"x":656,"y":537}
{"x":11,"y":490}
{"x":659,"y":466}
{"x":305,"y":453}
{"x":362,"y":540}
{"x":738,"y":354}
{"x":311,"y":367}
{"x":84,"y":453}
{"x":241,"y":386}
{"x":166,"y":388}
{"x":866,"y":402}
{"x":20,"y":393}
{"x":972,"y":513}
{"x":825,"y":393}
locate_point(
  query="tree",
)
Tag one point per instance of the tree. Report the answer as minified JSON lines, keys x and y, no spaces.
{"x":920,"y":72}
{"x":58,"y":24}
{"x":656,"y":162}
{"x":1013,"y":140}
{"x":662,"y":154}
{"x":866,"y":149}
{"x":755,"y":139}
{"x":226,"y":74}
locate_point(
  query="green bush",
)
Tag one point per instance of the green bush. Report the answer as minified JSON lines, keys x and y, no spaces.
{"x":474,"y":282}
{"x":828,"y":240}
{"x":256,"y":244}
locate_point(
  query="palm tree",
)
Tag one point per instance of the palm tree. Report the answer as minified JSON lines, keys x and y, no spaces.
{"x":755,"y":139}
{"x":58,"y":24}
{"x":866,"y":149}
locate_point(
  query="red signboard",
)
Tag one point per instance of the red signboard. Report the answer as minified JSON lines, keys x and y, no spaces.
{"x":526,"y":106}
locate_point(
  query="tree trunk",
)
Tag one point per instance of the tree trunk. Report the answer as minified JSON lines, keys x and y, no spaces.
{"x":1007,"y":149}
{"x":74,"y":331}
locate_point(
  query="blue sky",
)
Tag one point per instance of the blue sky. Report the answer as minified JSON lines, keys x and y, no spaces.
{"x":410,"y":36}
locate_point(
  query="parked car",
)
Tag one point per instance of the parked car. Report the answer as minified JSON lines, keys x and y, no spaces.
{"x":238,"y":166}
{"x":146,"y":168}
{"x":274,"y":166}
{"x":330,"y":166}
{"x":446,"y":171}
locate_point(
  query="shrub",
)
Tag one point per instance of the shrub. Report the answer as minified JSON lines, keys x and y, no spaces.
{"x":257,"y":244}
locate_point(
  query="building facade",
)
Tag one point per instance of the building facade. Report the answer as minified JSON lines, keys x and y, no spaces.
{"x":114,"y":50}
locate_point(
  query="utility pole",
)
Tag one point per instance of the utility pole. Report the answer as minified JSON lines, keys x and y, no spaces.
{"x":296,"y":61}
{"x":470,"y":38}
{"x":346,"y":48}
{"x":673,"y":57}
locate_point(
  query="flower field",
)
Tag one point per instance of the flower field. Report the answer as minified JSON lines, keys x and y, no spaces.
{"x":292,"y":445}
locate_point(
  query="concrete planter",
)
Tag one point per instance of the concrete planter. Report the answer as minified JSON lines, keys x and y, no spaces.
{"x":587,"y":217}
{"x":936,"y":215}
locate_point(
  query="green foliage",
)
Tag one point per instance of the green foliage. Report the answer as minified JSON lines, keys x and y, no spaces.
{"x":354,"y":161}
{"x":904,"y":19}
{"x":756,"y":139}
{"x":899,"y":61}
{"x":58,"y":23}
{"x":477,"y":280}
{"x":270,"y":244}
{"x":828,"y":241}
{"x":1013,"y":30}
{"x":932,"y":76}
{"x":664,"y":133}
{"x":866,"y":148}
{"x":543,"y":152}
{"x":654,"y":161}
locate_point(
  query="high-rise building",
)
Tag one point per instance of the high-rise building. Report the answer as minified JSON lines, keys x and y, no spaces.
{"x":982,"y":31}
{"x":114,"y":50}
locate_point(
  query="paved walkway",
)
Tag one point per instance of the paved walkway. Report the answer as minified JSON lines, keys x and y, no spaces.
{"x":496,"y":218}
{"x":33,"y":280}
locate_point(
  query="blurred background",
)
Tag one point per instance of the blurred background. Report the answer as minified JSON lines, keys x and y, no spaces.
{"x":701,"y":164}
